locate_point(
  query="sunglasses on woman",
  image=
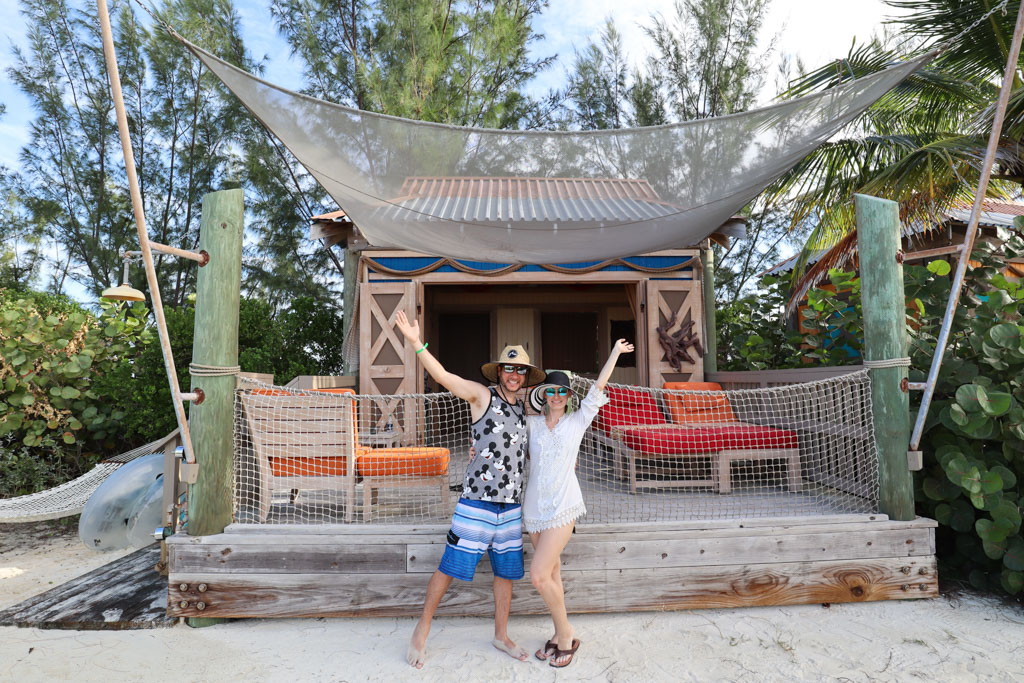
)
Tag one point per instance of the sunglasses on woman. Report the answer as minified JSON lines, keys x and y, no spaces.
{"x":551,"y":391}
{"x":518,"y":369}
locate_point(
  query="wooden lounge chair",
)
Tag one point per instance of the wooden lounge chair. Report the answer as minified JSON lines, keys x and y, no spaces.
{"x":304,"y":442}
{"x":702,"y":439}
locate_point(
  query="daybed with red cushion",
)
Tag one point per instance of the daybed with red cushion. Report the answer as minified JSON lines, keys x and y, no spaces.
{"x":696,"y":448}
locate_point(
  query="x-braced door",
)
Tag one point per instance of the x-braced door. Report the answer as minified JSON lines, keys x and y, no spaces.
{"x":387,"y":364}
{"x":675,"y":337}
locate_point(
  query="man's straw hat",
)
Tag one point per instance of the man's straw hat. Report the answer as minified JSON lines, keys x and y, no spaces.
{"x":513,"y":355}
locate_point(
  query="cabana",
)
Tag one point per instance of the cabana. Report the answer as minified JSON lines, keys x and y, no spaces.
{"x":356,"y":520}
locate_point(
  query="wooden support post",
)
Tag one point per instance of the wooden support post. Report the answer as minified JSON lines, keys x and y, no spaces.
{"x":885,"y":337}
{"x":707,"y":262}
{"x":215,"y":344}
{"x":351,"y":285}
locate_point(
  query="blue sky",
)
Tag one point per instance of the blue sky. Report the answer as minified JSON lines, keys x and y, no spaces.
{"x":815,"y":30}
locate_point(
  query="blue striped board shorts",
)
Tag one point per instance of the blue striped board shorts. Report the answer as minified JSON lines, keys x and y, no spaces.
{"x":478,"y":526}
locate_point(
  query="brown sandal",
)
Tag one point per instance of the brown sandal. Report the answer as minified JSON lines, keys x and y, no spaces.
{"x":571,"y":652}
{"x":549,"y":649}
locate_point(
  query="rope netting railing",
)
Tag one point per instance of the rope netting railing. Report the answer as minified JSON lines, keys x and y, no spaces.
{"x":332,"y":456}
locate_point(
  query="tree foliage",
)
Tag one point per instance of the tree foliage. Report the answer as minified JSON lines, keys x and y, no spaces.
{"x":463,"y":63}
{"x":54,"y":351}
{"x":183,"y":129}
{"x":707,"y":56}
{"x":923,"y":143}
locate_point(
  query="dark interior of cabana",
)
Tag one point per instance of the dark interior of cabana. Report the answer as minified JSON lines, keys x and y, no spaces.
{"x":569,"y":326}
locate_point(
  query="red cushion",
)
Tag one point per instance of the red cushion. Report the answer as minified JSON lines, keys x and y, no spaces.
{"x":679,"y":440}
{"x":628,"y":407}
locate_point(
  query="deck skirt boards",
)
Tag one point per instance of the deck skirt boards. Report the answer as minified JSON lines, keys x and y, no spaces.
{"x":127,"y":593}
{"x":380,"y":570}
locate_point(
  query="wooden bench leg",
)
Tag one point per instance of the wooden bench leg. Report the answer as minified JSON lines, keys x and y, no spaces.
{"x":444,"y":497}
{"x":350,"y":501}
{"x":294,"y":496}
{"x":724,"y":472}
{"x":368,"y":492}
{"x":795,"y":476}
{"x":631,"y":457}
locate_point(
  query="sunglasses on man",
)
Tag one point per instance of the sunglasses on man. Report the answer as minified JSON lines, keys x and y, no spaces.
{"x":551,"y":391}
{"x":518,"y":369}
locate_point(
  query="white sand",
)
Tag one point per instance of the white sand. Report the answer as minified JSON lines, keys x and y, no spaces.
{"x":967,"y":639}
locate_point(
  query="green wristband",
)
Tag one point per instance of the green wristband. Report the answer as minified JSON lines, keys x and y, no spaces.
{"x":423,"y":348}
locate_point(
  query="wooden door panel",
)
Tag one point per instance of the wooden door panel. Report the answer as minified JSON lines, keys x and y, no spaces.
{"x":387,"y":364}
{"x":681,"y":300}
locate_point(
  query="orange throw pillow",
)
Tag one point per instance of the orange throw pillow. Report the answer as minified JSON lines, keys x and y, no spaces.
{"x":698,"y":408}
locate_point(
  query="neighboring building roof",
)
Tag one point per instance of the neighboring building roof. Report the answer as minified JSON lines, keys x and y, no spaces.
{"x":332,"y":217}
{"x":995,"y":214}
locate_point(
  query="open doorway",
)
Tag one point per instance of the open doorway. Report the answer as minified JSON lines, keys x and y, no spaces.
{"x":463,"y":343}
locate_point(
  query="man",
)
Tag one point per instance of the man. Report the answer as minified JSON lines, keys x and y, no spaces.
{"x":488,"y":516}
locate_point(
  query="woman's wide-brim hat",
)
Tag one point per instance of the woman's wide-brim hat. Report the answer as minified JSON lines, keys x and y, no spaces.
{"x":556,"y":378}
{"x":513,"y":355}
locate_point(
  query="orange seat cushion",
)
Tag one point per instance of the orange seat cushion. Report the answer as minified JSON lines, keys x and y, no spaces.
{"x":287,"y":392}
{"x":410,"y":461}
{"x":327,"y":466}
{"x":698,"y":408}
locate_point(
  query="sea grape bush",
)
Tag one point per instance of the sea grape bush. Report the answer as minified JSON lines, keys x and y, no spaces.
{"x":51,"y":353}
{"x":974,"y":438}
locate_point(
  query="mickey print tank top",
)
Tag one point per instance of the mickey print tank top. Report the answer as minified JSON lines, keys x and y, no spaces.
{"x":500,"y":439}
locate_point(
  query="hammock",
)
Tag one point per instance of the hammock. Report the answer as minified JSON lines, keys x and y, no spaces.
{"x":69,"y":498}
{"x":546,"y":196}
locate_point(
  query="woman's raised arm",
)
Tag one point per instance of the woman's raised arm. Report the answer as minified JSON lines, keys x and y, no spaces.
{"x":620,"y":347}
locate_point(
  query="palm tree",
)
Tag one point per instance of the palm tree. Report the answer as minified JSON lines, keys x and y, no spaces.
{"x":922,"y":144}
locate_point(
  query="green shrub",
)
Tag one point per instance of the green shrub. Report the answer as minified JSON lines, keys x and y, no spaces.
{"x":25,"y":470}
{"x":304,"y":340}
{"x":53,"y":353}
{"x":53,"y":356}
{"x":752,"y":332}
{"x":973,"y":441}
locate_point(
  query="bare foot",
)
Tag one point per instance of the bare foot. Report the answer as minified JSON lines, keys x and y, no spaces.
{"x":508,"y":646}
{"x":416,"y":655}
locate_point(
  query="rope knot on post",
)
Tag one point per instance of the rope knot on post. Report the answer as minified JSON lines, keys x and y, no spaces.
{"x":887,"y":363}
{"x":200,"y":370}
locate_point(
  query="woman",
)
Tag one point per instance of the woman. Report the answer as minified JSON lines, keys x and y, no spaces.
{"x":553,"y":500}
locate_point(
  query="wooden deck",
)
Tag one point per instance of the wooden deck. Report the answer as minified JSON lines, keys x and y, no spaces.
{"x":382,"y":570}
{"x":128,"y":593}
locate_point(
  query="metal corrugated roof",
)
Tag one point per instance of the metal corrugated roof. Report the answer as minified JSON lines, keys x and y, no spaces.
{"x":497,"y":200}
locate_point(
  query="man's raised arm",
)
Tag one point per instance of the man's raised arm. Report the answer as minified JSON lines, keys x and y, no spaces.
{"x":466,"y":389}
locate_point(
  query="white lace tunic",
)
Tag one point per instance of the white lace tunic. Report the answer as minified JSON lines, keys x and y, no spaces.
{"x":553,"y":497}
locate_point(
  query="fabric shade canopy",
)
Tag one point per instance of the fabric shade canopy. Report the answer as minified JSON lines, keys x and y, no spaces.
{"x":546,"y":196}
